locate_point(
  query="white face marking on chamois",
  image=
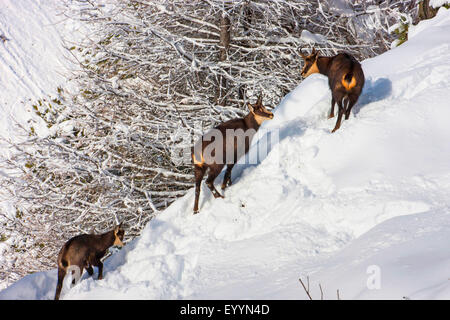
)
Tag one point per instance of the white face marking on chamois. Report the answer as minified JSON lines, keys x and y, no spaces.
{"x":260,"y":119}
{"x":117,"y":241}
{"x":310,"y":63}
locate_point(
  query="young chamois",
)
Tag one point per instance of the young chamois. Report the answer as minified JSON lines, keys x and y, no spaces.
{"x":85,"y":251}
{"x":224,"y":145}
{"x":345,"y":78}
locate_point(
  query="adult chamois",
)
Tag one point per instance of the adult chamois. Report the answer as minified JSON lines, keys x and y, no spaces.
{"x":345,"y":78}
{"x":224,"y":145}
{"x":85,"y":251}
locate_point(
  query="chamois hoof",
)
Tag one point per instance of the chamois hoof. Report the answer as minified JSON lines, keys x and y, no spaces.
{"x":331,"y":116}
{"x":196,"y":211}
{"x":218,"y":195}
{"x":225,"y":186}
{"x":334,"y":130}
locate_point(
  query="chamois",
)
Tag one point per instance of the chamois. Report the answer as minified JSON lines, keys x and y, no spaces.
{"x":228,"y":150}
{"x":85,"y":251}
{"x":345,"y":78}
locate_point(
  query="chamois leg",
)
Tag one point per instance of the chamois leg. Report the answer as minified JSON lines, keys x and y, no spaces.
{"x":61,"y":275}
{"x":227,"y":178}
{"x":212,"y":175}
{"x":100,"y":269}
{"x":339,"y":118}
{"x":351,"y":102}
{"x":89,"y":270}
{"x":332,"y":108}
{"x":199,"y":172}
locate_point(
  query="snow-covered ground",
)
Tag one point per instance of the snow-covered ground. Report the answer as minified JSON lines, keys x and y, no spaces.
{"x":33,"y":61}
{"x":365,"y":210}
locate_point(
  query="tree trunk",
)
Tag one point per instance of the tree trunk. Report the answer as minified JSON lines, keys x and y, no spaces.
{"x":246,"y":24}
{"x":426,"y":11}
{"x":225,"y":38}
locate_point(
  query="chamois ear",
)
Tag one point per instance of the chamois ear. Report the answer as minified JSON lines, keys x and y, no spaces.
{"x":304,"y":56}
{"x":259,"y":101}
{"x":118,"y":227}
{"x":250,"y":107}
{"x":315,"y":53}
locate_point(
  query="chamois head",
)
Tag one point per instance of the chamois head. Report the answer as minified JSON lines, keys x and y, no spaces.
{"x":119,"y":232}
{"x":259,"y":111}
{"x":310,"y":65}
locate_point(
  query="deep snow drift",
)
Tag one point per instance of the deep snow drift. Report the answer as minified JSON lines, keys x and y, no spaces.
{"x":365,"y":210}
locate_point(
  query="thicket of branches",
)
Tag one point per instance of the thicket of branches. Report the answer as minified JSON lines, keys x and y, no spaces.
{"x":152,"y":75}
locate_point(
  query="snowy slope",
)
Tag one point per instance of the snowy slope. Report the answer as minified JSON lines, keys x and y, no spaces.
{"x":372,"y":199}
{"x":33,"y":61}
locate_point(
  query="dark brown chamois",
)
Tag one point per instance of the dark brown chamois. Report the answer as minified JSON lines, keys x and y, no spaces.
{"x":345,"y":78}
{"x":86,"y":251}
{"x":224,"y":145}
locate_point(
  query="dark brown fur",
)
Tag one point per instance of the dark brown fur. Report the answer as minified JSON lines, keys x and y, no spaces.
{"x":202,"y":163}
{"x":86,"y":251}
{"x":345,"y":78}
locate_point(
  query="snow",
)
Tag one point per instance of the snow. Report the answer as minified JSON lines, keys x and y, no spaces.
{"x":438,"y":3}
{"x":341,"y":7}
{"x":33,"y":62}
{"x":312,"y":38}
{"x":365,"y":210}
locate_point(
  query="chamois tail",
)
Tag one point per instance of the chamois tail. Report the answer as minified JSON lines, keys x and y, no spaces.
{"x":348,"y":80}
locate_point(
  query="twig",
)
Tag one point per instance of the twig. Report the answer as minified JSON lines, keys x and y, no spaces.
{"x":3,"y":38}
{"x":306,"y":290}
